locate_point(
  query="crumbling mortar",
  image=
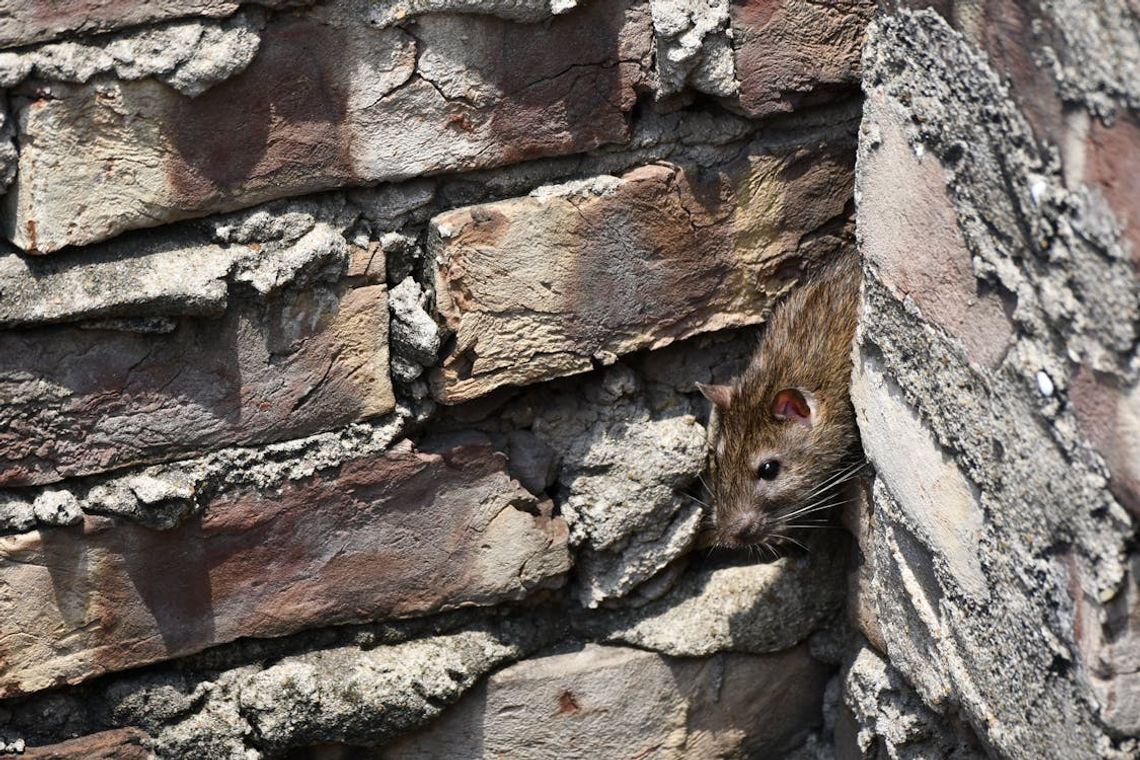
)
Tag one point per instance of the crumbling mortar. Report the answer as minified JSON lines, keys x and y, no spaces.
{"x":162,"y":51}
{"x":210,"y":680}
{"x":193,"y":483}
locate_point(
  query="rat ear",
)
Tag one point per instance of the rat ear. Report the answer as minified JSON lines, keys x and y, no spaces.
{"x":795,"y":405}
{"x":720,"y":395}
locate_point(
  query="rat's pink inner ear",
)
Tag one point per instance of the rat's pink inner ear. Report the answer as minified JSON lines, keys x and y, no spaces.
{"x":792,"y":404}
{"x":720,"y":395}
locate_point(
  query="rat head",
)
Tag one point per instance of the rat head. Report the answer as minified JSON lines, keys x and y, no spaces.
{"x":771,"y":458}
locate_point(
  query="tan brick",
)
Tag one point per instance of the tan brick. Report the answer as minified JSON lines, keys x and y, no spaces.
{"x":792,"y":53}
{"x":542,"y":286}
{"x":394,"y":535}
{"x":616,"y":702}
{"x":329,"y":100}
{"x":75,"y":401}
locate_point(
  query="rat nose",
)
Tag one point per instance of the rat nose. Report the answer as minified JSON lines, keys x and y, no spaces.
{"x":741,"y":529}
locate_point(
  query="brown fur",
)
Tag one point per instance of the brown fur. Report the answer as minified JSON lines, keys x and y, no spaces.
{"x":806,"y":346}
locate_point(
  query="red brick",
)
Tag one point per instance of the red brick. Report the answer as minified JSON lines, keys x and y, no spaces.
{"x":542,"y":286}
{"x":76,"y":401}
{"x":328,"y":101}
{"x":119,"y":744}
{"x":793,"y":53}
{"x":395,"y":535}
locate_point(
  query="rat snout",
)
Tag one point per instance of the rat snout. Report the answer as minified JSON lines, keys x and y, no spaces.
{"x":742,"y":529}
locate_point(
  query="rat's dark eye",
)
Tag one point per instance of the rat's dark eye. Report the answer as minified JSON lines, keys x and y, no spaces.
{"x":768,"y":470}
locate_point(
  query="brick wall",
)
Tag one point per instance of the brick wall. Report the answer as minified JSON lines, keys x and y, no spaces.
{"x":348,"y":353}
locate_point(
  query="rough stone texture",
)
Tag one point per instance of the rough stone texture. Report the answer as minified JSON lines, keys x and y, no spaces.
{"x":885,"y":719}
{"x":415,"y":337}
{"x":792,"y":53}
{"x":994,"y":576}
{"x":261,"y":326}
{"x":685,"y":251}
{"x":351,"y":696}
{"x":754,"y":608}
{"x":366,"y":105}
{"x":359,"y":694}
{"x":226,"y":533}
{"x":390,"y":12}
{"x":23,"y":22}
{"x":625,"y":703}
{"x":8,"y":155}
{"x":1108,"y":637}
{"x":162,"y":496}
{"x":190,"y":55}
{"x":694,"y":47}
{"x":384,"y":536}
{"x":622,"y":470}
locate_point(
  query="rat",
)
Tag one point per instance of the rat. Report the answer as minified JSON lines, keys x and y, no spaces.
{"x":783,"y":433}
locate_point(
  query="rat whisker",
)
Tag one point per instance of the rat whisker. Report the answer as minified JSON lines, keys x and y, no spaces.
{"x":797,"y":543}
{"x":840,"y":477}
{"x":817,"y":507}
{"x":694,"y":498}
{"x":813,"y":527}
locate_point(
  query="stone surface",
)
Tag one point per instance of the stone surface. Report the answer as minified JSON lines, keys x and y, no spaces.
{"x":77,"y":401}
{"x":994,"y":551}
{"x":883,"y":718}
{"x":144,"y":278}
{"x":9,"y":158}
{"x":390,"y":12}
{"x":685,"y":250}
{"x":190,"y":55}
{"x":616,"y":702}
{"x":622,"y":468}
{"x":938,"y":507}
{"x":793,"y":53}
{"x":1108,"y":637}
{"x":415,"y":337}
{"x":1108,"y":413}
{"x":694,"y":47}
{"x":398,"y":534}
{"x":749,"y":608}
{"x":23,"y":22}
{"x":162,"y":496}
{"x":364,"y":697}
{"x":365,"y":105}
{"x":913,"y":239}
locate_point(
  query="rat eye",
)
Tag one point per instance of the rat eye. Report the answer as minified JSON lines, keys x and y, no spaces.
{"x":768,"y":470}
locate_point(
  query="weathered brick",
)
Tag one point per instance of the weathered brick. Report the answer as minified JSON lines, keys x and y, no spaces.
{"x":913,"y":242}
{"x":119,"y":744}
{"x":76,"y":401}
{"x":793,"y":53}
{"x":135,"y":277}
{"x":620,"y":702}
{"x":545,"y":285}
{"x":26,"y":21}
{"x":1108,"y":413}
{"x":399,"y":534}
{"x":329,"y":100}
{"x":1110,"y":160}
